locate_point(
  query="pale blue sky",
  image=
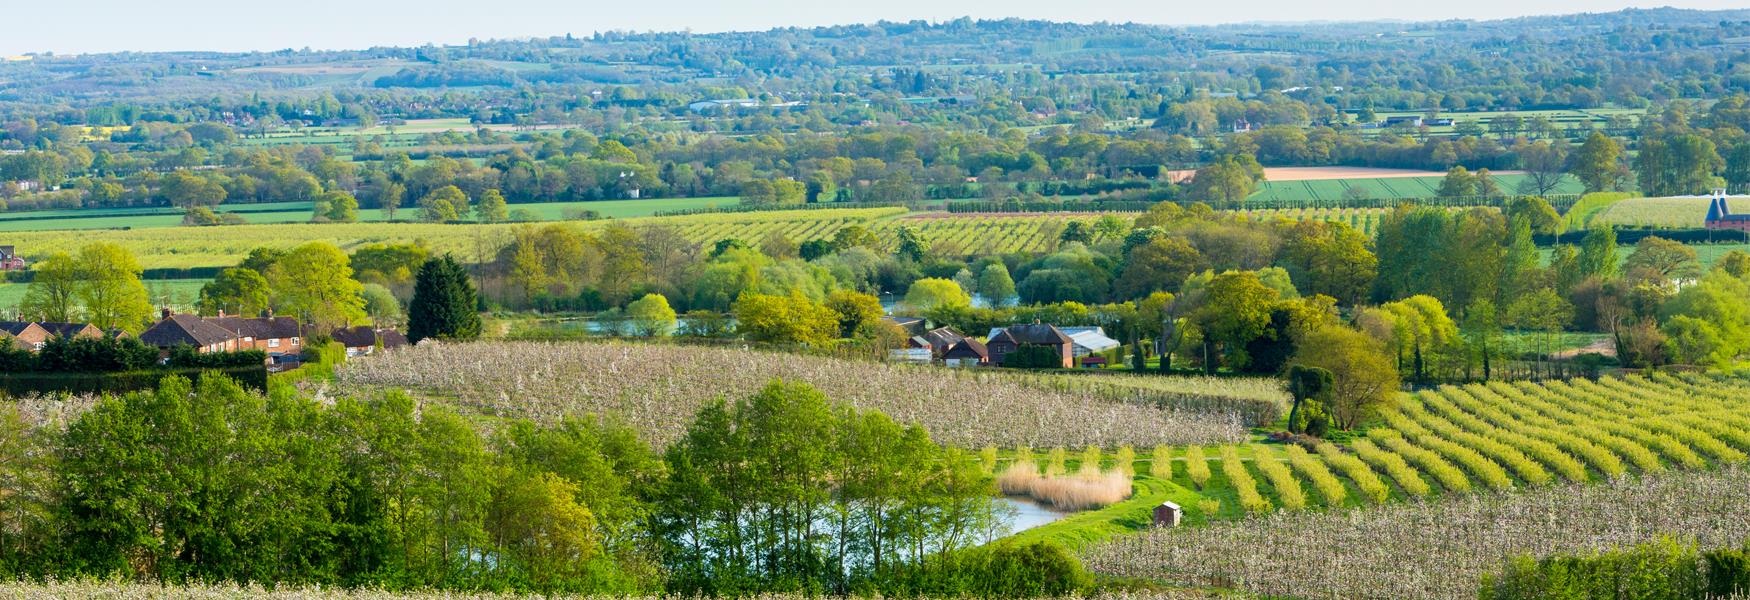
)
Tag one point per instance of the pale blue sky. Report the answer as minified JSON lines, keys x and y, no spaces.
{"x":76,"y":26}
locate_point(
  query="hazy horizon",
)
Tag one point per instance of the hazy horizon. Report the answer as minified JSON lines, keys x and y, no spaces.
{"x":227,"y":26}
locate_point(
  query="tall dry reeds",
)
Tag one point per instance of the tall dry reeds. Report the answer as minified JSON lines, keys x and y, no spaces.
{"x":1089,"y":488}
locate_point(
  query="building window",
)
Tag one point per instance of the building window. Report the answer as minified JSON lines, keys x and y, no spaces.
{"x":273,"y":343}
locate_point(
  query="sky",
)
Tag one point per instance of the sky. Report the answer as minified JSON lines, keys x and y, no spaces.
{"x":84,"y":26}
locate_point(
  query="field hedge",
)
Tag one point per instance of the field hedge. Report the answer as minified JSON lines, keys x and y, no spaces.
{"x":1628,"y":237}
{"x":1658,"y":571}
{"x":27,"y":383}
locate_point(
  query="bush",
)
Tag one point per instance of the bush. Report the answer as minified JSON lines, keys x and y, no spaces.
{"x":1728,"y":572}
{"x":1657,"y":571}
{"x":1034,"y":356}
{"x":20,"y":384}
{"x":999,"y":570}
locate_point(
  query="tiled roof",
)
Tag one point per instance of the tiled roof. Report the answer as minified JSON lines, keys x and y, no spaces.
{"x":260,"y":327}
{"x":1034,"y":333}
{"x":185,"y":330}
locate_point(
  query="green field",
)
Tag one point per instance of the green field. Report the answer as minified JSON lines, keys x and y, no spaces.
{"x":1333,"y":190}
{"x":1684,"y":212}
{"x":299,"y":212}
{"x":175,"y":293}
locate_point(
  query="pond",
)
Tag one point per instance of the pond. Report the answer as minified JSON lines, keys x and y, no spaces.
{"x":1026,"y":513}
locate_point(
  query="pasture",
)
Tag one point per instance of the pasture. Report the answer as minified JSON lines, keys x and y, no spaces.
{"x":175,"y":293}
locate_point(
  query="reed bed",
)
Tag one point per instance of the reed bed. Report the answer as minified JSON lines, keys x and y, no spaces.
{"x":1088,"y":488}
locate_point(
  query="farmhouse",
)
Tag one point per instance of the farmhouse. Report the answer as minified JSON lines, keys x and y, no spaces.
{"x":1719,"y":214}
{"x":10,"y":260}
{"x":1006,"y":340}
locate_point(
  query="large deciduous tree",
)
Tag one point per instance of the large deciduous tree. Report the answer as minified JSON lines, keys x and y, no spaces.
{"x":314,"y":282}
{"x":1364,"y":380}
{"x":110,"y":288}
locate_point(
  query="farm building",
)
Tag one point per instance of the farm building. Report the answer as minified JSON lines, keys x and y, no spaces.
{"x":940,"y":339}
{"x":967,"y":352}
{"x":1168,"y":514}
{"x":1090,"y":340}
{"x":1005,"y":340}
{"x":10,"y":260}
{"x":1720,"y":216}
{"x":364,"y":340}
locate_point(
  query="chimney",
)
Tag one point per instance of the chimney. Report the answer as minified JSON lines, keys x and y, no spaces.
{"x":165,"y":313}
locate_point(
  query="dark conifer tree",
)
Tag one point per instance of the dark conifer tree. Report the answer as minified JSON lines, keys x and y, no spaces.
{"x":444,"y":304}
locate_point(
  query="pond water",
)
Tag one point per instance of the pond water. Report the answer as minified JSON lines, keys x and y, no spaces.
{"x":1025,"y":513}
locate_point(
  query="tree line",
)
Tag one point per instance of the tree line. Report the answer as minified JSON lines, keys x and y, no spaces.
{"x":780,"y":491}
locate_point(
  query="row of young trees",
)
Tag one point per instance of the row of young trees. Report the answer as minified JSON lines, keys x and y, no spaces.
{"x":783,"y":490}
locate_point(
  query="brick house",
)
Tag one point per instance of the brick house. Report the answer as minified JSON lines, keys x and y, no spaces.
{"x":10,"y":260}
{"x":273,"y":335}
{"x":189,"y":330}
{"x":26,"y":334}
{"x":72,"y":330}
{"x":1006,"y":340}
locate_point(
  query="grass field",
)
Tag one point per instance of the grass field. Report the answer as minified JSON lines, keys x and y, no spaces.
{"x":1681,"y":212}
{"x":175,"y":293}
{"x":299,"y":212}
{"x":1331,"y":190}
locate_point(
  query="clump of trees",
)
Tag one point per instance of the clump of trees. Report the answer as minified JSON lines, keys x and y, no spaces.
{"x":783,"y":490}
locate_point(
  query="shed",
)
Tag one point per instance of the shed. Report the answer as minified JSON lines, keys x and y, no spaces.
{"x":1168,"y":514}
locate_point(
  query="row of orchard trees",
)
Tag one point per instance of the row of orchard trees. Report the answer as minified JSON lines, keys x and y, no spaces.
{"x":782,"y":490}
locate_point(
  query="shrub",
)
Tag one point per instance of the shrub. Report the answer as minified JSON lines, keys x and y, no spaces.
{"x":999,"y":570}
{"x":1033,"y":356}
{"x":1657,"y":571}
{"x":1728,"y":572}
